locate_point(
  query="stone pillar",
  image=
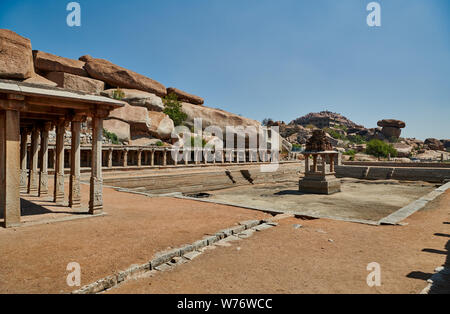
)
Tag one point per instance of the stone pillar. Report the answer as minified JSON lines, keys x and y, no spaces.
{"x":33,"y":178}
{"x":152,"y":158}
{"x":96,"y":189}
{"x":43,"y":173}
{"x":58,"y":191}
{"x":307,"y":164}
{"x":10,"y":167}
{"x":145,"y":158}
{"x":75,"y":171}
{"x":332,"y":163}
{"x":186,"y":156}
{"x":139,"y":158}
{"x":165,"y":157}
{"x":110,"y":158}
{"x":125,"y":157}
{"x":314,"y":163}
{"x":324,"y":164}
{"x":23,"y":160}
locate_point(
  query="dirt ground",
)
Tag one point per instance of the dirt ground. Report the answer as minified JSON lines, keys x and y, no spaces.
{"x":33,"y":259}
{"x":323,"y":256}
{"x":360,"y":199}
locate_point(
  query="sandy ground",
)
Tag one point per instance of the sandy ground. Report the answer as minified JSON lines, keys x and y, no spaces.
{"x":289,"y":260}
{"x":359,"y":199}
{"x":33,"y":259}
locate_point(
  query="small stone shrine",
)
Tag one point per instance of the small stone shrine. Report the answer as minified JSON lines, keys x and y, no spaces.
{"x":319,"y":177}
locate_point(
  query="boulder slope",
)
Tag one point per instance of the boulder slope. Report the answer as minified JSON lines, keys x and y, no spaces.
{"x":117,"y":76}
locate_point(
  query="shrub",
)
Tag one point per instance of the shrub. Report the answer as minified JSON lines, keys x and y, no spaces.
{"x":118,"y":94}
{"x":174,"y":109}
{"x":335,"y":134}
{"x":111,"y":136}
{"x":297,"y":148}
{"x":357,"y":139}
{"x":159,"y":144}
{"x":350,"y":152}
{"x":379,"y":148}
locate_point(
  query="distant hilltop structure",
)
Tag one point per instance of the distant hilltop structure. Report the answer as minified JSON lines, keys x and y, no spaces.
{"x":325,"y":119}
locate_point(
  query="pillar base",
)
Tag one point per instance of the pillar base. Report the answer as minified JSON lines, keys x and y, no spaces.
{"x":59,"y":189}
{"x":43,"y":184}
{"x":96,"y":196}
{"x":33,"y":184}
{"x":319,"y":184}
{"x":75,"y":193}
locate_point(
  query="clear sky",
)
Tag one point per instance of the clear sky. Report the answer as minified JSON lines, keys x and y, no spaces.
{"x":276,"y":59}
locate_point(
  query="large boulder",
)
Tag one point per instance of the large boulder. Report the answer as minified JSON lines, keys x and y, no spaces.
{"x":16,"y":57}
{"x":138,"y":98}
{"x":391,"y":128}
{"x":77,"y":83}
{"x":403,"y":150}
{"x":186,"y":97}
{"x":446,"y":143}
{"x":136,"y":117}
{"x":118,"y":127}
{"x":40,"y":80}
{"x":161,"y":126}
{"x":46,"y":62}
{"x":391,"y":123}
{"x":434,"y":144}
{"x":116,"y":76}
{"x":216,"y":117}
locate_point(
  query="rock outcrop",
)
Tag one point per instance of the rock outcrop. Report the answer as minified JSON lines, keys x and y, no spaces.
{"x":116,"y":76}
{"x":186,"y":97}
{"x":36,"y":79}
{"x":118,"y":127}
{"x":16,"y":57}
{"x":391,"y":128}
{"x":138,"y":98}
{"x":161,"y":126}
{"x":76,"y":83}
{"x":136,"y":117}
{"x":434,"y":144}
{"x":47,"y":62}
{"x":217,"y":117}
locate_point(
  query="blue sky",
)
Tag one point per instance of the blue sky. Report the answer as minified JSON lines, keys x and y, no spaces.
{"x":268,"y":58}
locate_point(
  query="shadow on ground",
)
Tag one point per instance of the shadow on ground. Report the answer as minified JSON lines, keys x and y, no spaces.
{"x":441,"y":279}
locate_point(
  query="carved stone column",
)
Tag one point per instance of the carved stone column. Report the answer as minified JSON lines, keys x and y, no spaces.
{"x":33,"y":179}
{"x":125,"y":157}
{"x":58,"y":194}
{"x":75,"y":171}
{"x":96,"y":189}
{"x":43,"y":173}
{"x":23,"y":159}
{"x":10,"y":167}
{"x":152,"y":158}
{"x":165,"y":157}
{"x":139,"y":158}
{"x":110,"y":158}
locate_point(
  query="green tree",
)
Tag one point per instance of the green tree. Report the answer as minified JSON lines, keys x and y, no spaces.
{"x":379,"y":148}
{"x":174,"y":109}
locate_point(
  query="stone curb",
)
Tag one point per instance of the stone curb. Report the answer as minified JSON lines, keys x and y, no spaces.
{"x":162,"y":260}
{"x":406,"y":211}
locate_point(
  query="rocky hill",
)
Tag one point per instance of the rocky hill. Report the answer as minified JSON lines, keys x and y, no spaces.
{"x":346,"y":135}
